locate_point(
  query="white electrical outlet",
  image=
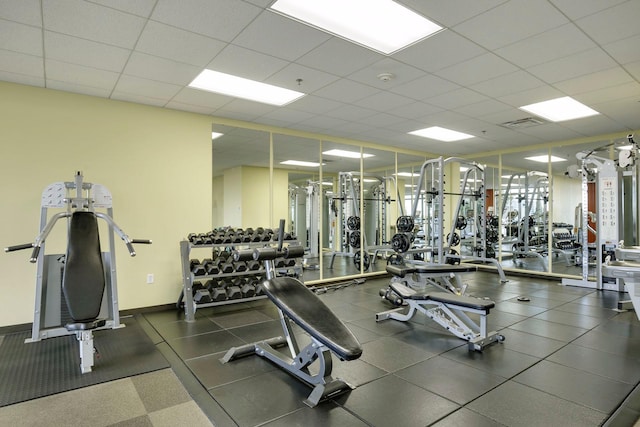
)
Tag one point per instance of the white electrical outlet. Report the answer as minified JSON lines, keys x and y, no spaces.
{"x":150,"y":278}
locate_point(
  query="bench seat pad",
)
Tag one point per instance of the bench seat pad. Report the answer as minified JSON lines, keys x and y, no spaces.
{"x":308,"y":311}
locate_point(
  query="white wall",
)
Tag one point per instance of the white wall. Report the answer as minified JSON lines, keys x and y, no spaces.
{"x":156,"y":163}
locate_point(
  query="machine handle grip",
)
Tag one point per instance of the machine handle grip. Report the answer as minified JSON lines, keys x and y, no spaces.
{"x":34,"y":254}
{"x":132,"y":251}
{"x":142,"y":241}
{"x":18,"y":247}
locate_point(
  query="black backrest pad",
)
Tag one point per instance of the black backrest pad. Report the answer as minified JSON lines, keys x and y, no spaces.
{"x":309,"y":312}
{"x":83,"y":279}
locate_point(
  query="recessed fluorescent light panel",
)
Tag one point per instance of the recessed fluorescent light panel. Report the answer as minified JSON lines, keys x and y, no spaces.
{"x":238,"y":87}
{"x":381,"y":25}
{"x":345,"y":153}
{"x":545,"y":158}
{"x":441,"y":134}
{"x":300,"y":163}
{"x":216,"y":135}
{"x":560,"y":109}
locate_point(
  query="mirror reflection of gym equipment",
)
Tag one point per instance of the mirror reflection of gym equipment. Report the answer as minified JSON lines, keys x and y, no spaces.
{"x":76,"y":292}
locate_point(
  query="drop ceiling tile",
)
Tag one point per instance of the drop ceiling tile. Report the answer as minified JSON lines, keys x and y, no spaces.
{"x":596,"y":125}
{"x":287,"y":116}
{"x":624,"y":111}
{"x":415,"y":110}
{"x":201,"y":98}
{"x":624,"y":51}
{"x":425,"y":87}
{"x":352,"y":128}
{"x":339,"y":57}
{"x":23,"y":11}
{"x":594,"y":81}
{"x":281,"y":37}
{"x":160,"y":69}
{"x":246,"y":63}
{"x":439,"y":51}
{"x":84,"y":52}
{"x":507,"y":84}
{"x":138,"y":99}
{"x":323,"y":123}
{"x":456,"y":98}
{"x":383,"y":101}
{"x":545,"y":47}
{"x":139,"y":7}
{"x":312,"y":79}
{"x":577,"y":10}
{"x":242,"y":105}
{"x":315,"y":104}
{"x":148,"y":88}
{"x":346,"y":91}
{"x":552,"y":132}
{"x":221,"y":19}
{"x":622,"y":91}
{"x":625,"y":16}
{"x":175,"y":105}
{"x":80,"y":75}
{"x":526,"y":97}
{"x":178,"y":45}
{"x":350,"y":112}
{"x":482,"y":108}
{"x":20,"y":38}
{"x":20,"y":63}
{"x":92,"y":22}
{"x":75,"y":87}
{"x":381,"y":120}
{"x":511,"y":22}
{"x":634,"y":69}
{"x":573,"y":66}
{"x":475,"y":70}
{"x":401,"y":74}
{"x":451,"y":13}
{"x":22,"y":79}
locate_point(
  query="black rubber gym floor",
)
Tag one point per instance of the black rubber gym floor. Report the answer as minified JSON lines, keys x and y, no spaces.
{"x":51,"y":366}
{"x":568,"y":359}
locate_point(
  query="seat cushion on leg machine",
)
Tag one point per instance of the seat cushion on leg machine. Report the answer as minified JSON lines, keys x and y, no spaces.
{"x":83,"y":280}
{"x":302,"y":306}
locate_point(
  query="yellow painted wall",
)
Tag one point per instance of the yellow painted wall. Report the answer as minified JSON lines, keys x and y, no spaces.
{"x":156,"y":163}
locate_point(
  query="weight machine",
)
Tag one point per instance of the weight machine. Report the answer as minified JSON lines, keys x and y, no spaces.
{"x":355,"y":235}
{"x":76,"y":292}
{"x":527,"y":227}
{"x":430,"y":195}
{"x":304,"y":203}
{"x":606,"y":174}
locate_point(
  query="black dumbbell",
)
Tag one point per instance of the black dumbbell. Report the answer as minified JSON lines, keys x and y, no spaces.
{"x":279,"y":263}
{"x":248,"y":290}
{"x":200,"y":294}
{"x":196,"y":267}
{"x":240,"y":266}
{"x":253,"y":265}
{"x":234,"y":292}
{"x":211,"y":267}
{"x":226,"y":266}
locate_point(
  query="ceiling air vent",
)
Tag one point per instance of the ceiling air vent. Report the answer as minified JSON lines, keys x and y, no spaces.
{"x":527,"y":122}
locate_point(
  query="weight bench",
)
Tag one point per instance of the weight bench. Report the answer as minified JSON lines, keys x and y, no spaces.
{"x":297,"y":303}
{"x":446,"y":309}
{"x":418,"y":276}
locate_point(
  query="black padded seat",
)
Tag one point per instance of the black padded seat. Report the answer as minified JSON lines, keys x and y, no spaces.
{"x":85,"y":326}
{"x":400,"y":270}
{"x":83,"y":280}
{"x":462,"y":301}
{"x":445,"y":268}
{"x":309,"y":312}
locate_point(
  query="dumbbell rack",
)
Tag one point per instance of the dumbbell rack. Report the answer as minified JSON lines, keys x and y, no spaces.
{"x":190,"y":305}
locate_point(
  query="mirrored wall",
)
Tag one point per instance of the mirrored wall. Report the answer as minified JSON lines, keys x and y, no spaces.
{"x":341,"y":201}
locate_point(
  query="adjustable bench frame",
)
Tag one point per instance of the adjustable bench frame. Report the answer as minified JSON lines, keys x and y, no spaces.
{"x":297,"y":303}
{"x":448,"y":310}
{"x":418,"y":276}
